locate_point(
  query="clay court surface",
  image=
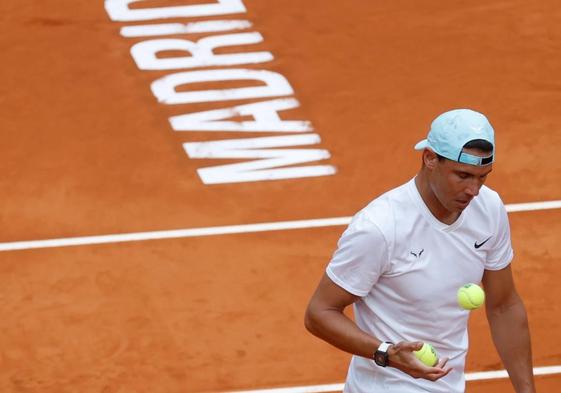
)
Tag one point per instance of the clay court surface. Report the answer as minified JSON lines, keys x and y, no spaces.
{"x":88,"y":150}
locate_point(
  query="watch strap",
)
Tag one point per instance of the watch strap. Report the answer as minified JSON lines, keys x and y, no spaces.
{"x":384,"y":346}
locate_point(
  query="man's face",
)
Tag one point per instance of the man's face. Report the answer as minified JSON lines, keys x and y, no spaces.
{"x":455,"y":184}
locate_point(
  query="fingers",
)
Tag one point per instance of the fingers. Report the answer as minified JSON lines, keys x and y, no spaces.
{"x":409,"y":346}
{"x":403,"y":359}
{"x":417,"y":345}
{"x":438,"y":374}
{"x":440,"y":366}
{"x":441,"y":362}
{"x":439,"y":371}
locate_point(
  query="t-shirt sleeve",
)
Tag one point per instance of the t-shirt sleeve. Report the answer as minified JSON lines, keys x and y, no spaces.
{"x":501,"y":254}
{"x":360,"y":259}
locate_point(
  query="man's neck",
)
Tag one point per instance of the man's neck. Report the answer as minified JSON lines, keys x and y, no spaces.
{"x":431,"y":201}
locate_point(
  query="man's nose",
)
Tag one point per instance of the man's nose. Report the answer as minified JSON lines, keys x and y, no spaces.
{"x":473,"y":188}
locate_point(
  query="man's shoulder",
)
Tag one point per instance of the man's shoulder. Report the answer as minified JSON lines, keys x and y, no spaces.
{"x":487,"y":207}
{"x":380,"y":210}
{"x":489,"y":198}
{"x":395,"y":193}
{"x":488,"y":192}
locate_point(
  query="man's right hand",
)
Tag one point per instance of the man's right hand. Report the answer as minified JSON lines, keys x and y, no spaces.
{"x":401,"y":356}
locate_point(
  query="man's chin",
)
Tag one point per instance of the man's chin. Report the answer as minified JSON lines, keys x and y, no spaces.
{"x":461,"y":205}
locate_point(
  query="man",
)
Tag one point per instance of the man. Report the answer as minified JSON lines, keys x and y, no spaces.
{"x":403,"y":258}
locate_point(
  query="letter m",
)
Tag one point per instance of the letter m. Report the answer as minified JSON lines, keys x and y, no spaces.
{"x":271,"y":163}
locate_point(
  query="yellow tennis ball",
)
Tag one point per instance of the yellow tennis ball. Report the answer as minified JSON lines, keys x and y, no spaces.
{"x":427,"y":354}
{"x":470,"y":296}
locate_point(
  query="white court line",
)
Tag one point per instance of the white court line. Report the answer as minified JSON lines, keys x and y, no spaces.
{"x":337,"y":387}
{"x":220,"y":230}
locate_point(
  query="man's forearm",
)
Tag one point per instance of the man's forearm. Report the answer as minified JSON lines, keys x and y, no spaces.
{"x":511,"y":335}
{"x":338,"y":330}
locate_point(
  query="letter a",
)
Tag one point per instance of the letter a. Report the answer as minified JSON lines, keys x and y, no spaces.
{"x":265,"y":114}
{"x":164,"y":88}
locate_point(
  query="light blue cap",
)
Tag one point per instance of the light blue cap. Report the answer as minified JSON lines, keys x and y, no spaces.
{"x":450,"y":132}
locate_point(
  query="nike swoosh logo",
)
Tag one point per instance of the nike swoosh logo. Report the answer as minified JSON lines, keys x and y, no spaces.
{"x":480,"y":244}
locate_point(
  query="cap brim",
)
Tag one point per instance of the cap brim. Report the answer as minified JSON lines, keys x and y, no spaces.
{"x":422,"y":145}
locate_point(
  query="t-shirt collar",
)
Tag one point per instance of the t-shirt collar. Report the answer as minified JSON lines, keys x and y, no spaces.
{"x":425,"y":211}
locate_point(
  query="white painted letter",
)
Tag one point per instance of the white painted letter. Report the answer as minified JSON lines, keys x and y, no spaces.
{"x":209,"y":26}
{"x":267,"y":159}
{"x":265,"y":114}
{"x":119,"y":10}
{"x":276,"y":85}
{"x":144,"y":53}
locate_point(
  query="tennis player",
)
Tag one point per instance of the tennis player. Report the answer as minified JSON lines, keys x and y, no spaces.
{"x":402,"y":259}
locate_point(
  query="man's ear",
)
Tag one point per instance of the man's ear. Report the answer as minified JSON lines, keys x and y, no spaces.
{"x":430,"y":159}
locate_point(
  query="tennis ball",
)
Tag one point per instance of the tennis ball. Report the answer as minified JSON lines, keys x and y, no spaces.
{"x":427,"y":354}
{"x":470,"y":296}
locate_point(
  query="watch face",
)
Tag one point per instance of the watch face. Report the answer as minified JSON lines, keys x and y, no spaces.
{"x":381,"y":358}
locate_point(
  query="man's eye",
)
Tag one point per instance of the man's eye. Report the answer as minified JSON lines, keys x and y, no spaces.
{"x":463,"y":175}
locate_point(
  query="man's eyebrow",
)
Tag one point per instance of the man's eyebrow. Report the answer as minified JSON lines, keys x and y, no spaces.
{"x":460,"y":171}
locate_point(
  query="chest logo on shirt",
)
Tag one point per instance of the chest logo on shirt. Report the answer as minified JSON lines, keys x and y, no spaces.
{"x":482,"y":243}
{"x":417,"y":254}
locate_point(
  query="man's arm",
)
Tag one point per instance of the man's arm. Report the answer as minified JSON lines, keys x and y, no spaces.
{"x":325,"y":319}
{"x":509,"y":327}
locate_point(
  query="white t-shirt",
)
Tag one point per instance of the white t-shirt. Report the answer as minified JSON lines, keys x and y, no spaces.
{"x":407,"y":267}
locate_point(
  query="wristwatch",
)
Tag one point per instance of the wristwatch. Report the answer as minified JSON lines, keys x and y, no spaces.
{"x":381,"y":354}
